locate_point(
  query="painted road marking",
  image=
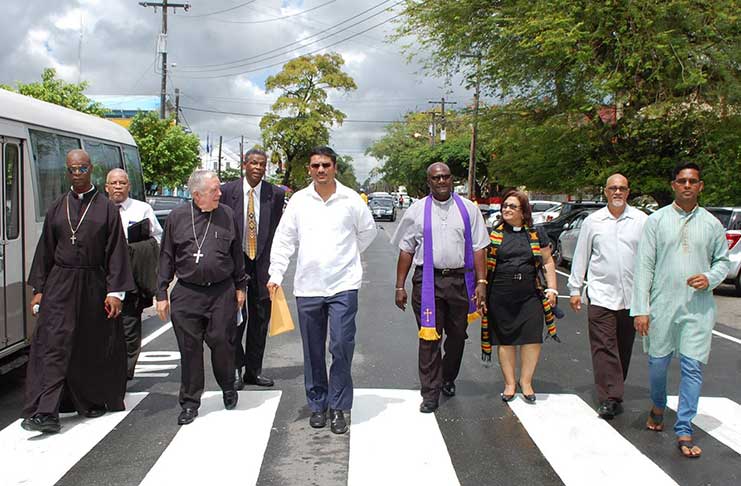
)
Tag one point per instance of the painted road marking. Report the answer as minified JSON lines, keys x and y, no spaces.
{"x":156,"y":334}
{"x":582,"y":448}
{"x":726,"y":336}
{"x":30,"y":458}
{"x":233,"y":439}
{"x":718,"y":416}
{"x":417,"y":456}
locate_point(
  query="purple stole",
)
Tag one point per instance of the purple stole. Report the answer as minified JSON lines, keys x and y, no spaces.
{"x":428,"y":331}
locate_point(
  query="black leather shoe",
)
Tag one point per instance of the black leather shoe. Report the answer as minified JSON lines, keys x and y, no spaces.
{"x":95,"y":412}
{"x":337,"y":422}
{"x":46,"y":424}
{"x":428,"y":406}
{"x":528,"y":398}
{"x":231,"y":397}
{"x":187,"y":416}
{"x":609,"y":409}
{"x":259,"y":381}
{"x":507,"y":398}
{"x":238,"y":383}
{"x":318,"y":420}
{"x":449,"y":389}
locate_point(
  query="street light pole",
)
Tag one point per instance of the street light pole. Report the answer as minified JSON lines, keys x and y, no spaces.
{"x":474,"y":134}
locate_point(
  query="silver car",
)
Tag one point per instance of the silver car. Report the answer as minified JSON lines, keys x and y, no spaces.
{"x":730,"y":218}
{"x":566,"y":245}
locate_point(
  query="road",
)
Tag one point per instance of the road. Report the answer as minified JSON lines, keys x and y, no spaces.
{"x":473,"y":439}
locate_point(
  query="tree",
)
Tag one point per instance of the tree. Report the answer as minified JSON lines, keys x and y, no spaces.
{"x":300,"y":118}
{"x":596,"y":86}
{"x":59,"y":92}
{"x":346,"y":172}
{"x":169,"y":155}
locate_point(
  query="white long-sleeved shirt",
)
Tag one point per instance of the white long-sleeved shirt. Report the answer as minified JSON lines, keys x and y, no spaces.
{"x":132,"y":211}
{"x":330,"y":236}
{"x":606,"y":251}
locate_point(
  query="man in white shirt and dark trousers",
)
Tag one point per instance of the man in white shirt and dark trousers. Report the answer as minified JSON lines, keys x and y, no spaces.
{"x":605,"y":251}
{"x":332,"y":226}
{"x":143,"y":257}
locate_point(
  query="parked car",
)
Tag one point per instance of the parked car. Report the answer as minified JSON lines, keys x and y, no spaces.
{"x":539,"y":208}
{"x":162,"y":206}
{"x":383,"y":208}
{"x":730,"y":218}
{"x":555,"y":227}
{"x":566,"y":244}
{"x":551,"y":214}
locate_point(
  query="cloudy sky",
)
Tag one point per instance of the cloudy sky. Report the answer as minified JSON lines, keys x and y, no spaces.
{"x":223,"y":51}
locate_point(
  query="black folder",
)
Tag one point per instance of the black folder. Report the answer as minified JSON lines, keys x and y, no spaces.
{"x":139,"y":231}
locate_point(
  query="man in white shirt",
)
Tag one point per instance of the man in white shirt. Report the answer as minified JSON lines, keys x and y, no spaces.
{"x":145,"y":253}
{"x":605,"y":251}
{"x":332,"y":226}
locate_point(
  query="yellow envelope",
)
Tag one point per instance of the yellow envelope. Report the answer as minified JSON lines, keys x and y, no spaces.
{"x":280,"y":317}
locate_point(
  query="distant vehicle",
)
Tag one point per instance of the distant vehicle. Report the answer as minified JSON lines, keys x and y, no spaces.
{"x":539,"y":209}
{"x":383,"y":208}
{"x":555,"y":227}
{"x":730,"y":218}
{"x":566,"y":245}
{"x":162,"y":206}
{"x":551,"y":214}
{"x":376,"y":194}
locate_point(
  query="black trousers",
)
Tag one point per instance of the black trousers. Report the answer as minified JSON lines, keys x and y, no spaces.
{"x":250,"y":354}
{"x":451,"y":319}
{"x":131,"y":318}
{"x":204,"y":314}
{"x":611,"y":335}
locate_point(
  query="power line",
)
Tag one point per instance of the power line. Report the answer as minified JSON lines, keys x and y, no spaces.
{"x":274,"y":19}
{"x":262,"y":68}
{"x":222,"y":11}
{"x":254,"y":115}
{"x":244,"y":61}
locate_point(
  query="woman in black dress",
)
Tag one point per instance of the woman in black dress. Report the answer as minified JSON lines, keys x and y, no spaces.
{"x":515,"y":306}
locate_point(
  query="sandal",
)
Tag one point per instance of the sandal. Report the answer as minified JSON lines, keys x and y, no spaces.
{"x":681,"y":444}
{"x":655,"y":421}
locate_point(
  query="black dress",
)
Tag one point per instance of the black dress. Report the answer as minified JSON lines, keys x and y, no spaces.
{"x":515,"y":310}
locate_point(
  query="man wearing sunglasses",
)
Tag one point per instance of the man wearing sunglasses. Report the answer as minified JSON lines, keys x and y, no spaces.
{"x":331,"y":226}
{"x":682,"y":257}
{"x":605,"y":252}
{"x":80,"y":275}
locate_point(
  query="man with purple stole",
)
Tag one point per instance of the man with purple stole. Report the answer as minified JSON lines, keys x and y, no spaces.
{"x":445,"y":237}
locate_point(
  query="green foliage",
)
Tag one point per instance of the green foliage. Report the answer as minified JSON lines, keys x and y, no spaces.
{"x":169,"y":155}
{"x":596,"y":87}
{"x":300,"y":118}
{"x":230,"y":174}
{"x":59,"y":92}
{"x":346,"y":172}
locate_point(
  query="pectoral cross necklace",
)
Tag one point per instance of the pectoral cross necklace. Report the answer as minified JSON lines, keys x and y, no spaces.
{"x":73,"y":238}
{"x":198,"y":253}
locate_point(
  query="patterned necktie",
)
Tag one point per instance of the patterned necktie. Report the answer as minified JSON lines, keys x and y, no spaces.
{"x":251,"y":227}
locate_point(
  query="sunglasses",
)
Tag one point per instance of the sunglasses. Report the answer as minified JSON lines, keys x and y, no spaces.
{"x":83,"y":169}
{"x":441,"y":177}
{"x":682,"y":182}
{"x":510,"y":206}
{"x":316,"y":165}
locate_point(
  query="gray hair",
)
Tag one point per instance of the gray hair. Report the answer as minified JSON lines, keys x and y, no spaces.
{"x":198,"y":180}
{"x":116,"y":171}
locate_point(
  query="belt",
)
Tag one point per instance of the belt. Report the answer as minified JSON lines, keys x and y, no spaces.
{"x":515,"y":276}
{"x":204,"y":284}
{"x":447,"y":271}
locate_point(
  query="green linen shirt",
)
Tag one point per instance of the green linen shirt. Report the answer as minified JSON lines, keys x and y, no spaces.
{"x":674,"y":246}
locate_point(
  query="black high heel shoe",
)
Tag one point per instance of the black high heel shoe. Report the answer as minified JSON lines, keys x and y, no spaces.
{"x":507,"y":398}
{"x":528,"y":398}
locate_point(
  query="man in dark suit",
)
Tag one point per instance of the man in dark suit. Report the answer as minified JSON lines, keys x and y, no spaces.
{"x":258,"y":206}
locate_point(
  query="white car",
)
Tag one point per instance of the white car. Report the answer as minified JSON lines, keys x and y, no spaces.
{"x":542,"y":209}
{"x":730,"y":218}
{"x":566,"y":246}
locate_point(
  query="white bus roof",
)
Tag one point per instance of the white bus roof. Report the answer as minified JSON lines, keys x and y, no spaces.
{"x":31,"y":111}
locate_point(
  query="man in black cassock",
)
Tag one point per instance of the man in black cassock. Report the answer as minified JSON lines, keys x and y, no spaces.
{"x":201,"y":245}
{"x":80,"y":275}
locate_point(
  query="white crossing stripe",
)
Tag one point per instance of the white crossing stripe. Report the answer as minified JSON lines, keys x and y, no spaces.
{"x":380,"y":454}
{"x":718,"y":416}
{"x":234,"y":439}
{"x":34,"y":459}
{"x":582,"y":448}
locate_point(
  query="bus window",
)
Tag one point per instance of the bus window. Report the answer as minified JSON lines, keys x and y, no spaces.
{"x":134,"y":169}
{"x":104,"y":157}
{"x":49,"y":155}
{"x":12,"y":215}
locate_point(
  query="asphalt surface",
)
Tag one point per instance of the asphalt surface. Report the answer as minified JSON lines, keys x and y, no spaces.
{"x":486,"y":442}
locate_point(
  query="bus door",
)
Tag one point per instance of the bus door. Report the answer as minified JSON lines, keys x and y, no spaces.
{"x":11,"y":245}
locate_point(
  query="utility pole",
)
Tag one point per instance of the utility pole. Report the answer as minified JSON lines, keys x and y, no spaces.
{"x":442,"y":116}
{"x":177,"y":106}
{"x":474,"y":133}
{"x":241,"y":156}
{"x":219,"y":171}
{"x":162,"y":44}
{"x":433,"y":127}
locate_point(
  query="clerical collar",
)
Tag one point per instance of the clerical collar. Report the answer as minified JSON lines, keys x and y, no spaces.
{"x":81,"y":195}
{"x":513,"y":228}
{"x":442,"y":203}
{"x":197,"y":208}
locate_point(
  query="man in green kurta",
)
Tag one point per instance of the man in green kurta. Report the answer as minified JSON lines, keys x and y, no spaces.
{"x":682,"y":257}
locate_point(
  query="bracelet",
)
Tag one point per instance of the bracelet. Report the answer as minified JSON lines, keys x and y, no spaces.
{"x":553,"y":291}
{"x":482,"y":280}
{"x":400,"y":288}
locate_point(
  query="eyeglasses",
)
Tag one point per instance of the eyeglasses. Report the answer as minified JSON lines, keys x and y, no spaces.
{"x":316,"y":165}
{"x":617,"y":188}
{"x":441,"y":177}
{"x":83,"y":169}
{"x":510,"y":206}
{"x":684,"y":182}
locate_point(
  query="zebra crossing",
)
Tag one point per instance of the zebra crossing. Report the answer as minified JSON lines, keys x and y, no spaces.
{"x":581,"y":448}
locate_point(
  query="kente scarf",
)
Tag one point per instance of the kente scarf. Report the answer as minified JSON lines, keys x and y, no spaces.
{"x":495,"y":237}
{"x":427,"y":330}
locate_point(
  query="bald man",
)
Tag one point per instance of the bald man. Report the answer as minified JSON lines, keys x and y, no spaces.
{"x":605,"y":252}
